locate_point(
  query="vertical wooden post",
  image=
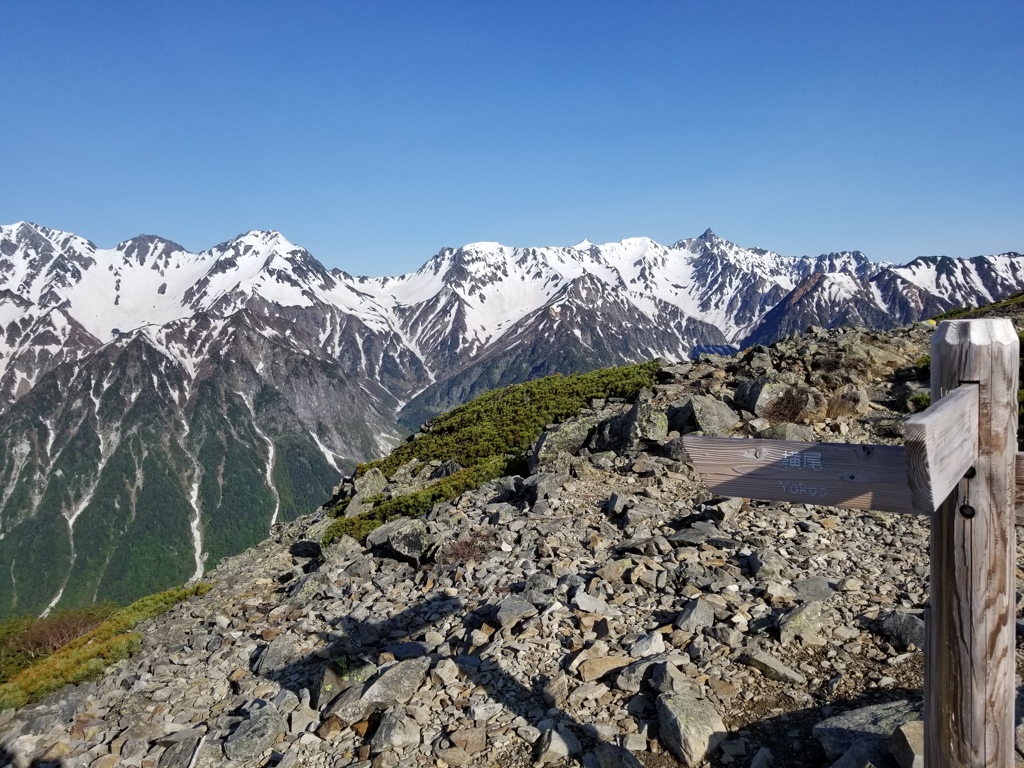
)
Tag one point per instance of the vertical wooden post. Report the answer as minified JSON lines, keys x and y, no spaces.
{"x":969,"y":647}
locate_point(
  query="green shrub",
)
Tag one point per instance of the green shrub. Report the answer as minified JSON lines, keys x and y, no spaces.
{"x":509,"y":420}
{"x":88,"y":655}
{"x":27,"y":639}
{"x":416,"y":503}
{"x":920,"y":400}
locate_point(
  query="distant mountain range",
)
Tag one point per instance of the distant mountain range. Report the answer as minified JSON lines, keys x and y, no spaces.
{"x":159,"y":409}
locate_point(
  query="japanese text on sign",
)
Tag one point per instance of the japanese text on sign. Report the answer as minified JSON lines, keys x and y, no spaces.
{"x":802,"y":460}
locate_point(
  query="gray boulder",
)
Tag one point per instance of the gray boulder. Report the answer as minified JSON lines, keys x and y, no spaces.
{"x":180,"y":749}
{"x":395,"y":685}
{"x":369,"y":485}
{"x":555,"y":745}
{"x":396,"y":730}
{"x":647,"y":423}
{"x":276,"y":656}
{"x":689,"y":728}
{"x":514,"y":609}
{"x":866,"y":753}
{"x":759,"y":395}
{"x":611,"y":756}
{"x":766,"y":565}
{"x":404,"y":539}
{"x":544,"y":485}
{"x":695,"y":616}
{"x":568,"y":437}
{"x":707,"y":415}
{"x":788,"y":431}
{"x":904,"y":628}
{"x":806,"y":623}
{"x":342,"y":550}
{"x":611,"y":435}
{"x":256,"y":735}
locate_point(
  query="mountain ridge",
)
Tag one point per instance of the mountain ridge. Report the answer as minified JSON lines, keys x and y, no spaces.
{"x":254,"y":377}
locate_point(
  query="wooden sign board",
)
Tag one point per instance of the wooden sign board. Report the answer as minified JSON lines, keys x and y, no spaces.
{"x":827,"y":474}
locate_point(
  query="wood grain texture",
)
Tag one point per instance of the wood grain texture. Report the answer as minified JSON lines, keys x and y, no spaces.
{"x":969,"y":647}
{"x":830,"y":474}
{"x":1019,"y":487}
{"x":942,"y":444}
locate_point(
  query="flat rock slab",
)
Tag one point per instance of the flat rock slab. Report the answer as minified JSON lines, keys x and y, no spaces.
{"x":813,"y":589}
{"x":774,"y":669}
{"x":591,"y":604}
{"x":695,"y":616}
{"x":471,"y":740}
{"x":837,"y":734}
{"x":594,"y":669}
{"x":514,"y":609}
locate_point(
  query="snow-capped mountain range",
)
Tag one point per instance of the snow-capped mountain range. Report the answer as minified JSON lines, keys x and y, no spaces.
{"x":252,"y":376}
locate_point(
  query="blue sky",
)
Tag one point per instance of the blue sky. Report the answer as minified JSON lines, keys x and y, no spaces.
{"x":376,"y":133}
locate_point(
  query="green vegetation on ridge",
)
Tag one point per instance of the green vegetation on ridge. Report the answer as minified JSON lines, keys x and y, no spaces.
{"x":1014,"y":302}
{"x":84,"y":657}
{"x":509,"y":420}
{"x":488,"y":437}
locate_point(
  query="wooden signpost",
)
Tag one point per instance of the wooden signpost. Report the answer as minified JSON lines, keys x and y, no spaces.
{"x":959,"y":465}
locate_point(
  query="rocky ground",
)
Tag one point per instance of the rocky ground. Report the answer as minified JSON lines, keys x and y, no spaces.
{"x":605,"y":610}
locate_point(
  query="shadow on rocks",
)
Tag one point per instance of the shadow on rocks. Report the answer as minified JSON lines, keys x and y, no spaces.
{"x":851,"y":731}
{"x":8,"y":758}
{"x":350,"y":661}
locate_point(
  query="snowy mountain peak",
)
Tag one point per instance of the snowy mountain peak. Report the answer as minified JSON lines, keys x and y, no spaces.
{"x":463,"y":299}
{"x":252,"y":356}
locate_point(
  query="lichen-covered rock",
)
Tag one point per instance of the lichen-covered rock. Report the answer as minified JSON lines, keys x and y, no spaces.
{"x":788,"y":431}
{"x":760,"y":394}
{"x":255,"y":735}
{"x":647,"y":423}
{"x":568,"y":437}
{"x":344,"y":671}
{"x":805,"y":622}
{"x":849,"y":400}
{"x":371,"y":484}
